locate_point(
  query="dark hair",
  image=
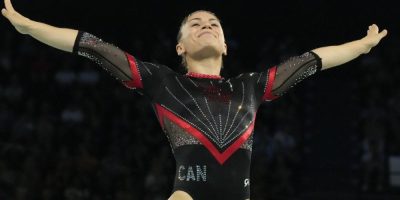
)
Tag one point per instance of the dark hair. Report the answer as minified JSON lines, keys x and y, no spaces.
{"x":179,"y":36}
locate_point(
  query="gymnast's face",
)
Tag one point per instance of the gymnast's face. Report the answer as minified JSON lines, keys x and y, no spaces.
{"x":201,"y":36}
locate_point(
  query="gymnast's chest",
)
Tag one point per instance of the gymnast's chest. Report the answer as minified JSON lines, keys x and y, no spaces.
{"x":205,"y":97}
{"x":217,"y":114}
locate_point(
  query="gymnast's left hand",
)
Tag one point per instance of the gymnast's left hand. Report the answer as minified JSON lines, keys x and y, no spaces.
{"x":373,"y":37}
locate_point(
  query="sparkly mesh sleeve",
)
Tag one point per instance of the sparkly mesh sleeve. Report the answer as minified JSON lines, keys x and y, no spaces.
{"x":133,"y":73}
{"x":277,"y":80}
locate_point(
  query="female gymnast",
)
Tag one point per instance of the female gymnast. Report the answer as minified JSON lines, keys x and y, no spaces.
{"x":208,"y":119}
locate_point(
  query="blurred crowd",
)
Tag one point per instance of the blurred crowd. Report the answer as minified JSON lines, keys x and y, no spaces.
{"x":68,"y":131}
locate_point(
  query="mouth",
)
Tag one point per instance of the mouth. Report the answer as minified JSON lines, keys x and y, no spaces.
{"x":206,"y":33}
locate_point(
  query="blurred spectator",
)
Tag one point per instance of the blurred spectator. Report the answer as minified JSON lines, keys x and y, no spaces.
{"x":373,"y":144}
{"x":284,"y":159}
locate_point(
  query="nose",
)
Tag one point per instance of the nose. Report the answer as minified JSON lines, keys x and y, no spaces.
{"x":206,"y":26}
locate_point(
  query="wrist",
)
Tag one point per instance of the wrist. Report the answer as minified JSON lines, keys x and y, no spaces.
{"x":364,"y":45}
{"x":31,"y":26}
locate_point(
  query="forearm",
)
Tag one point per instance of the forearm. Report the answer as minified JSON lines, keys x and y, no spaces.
{"x":332,"y":56}
{"x":60,"y":38}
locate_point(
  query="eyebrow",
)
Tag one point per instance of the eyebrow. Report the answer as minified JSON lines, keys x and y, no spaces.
{"x":212,"y":19}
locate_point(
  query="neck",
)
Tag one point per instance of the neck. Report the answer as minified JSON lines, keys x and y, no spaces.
{"x":209,"y":66}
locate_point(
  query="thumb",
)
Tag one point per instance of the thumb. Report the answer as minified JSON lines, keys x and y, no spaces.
{"x":4,"y":12}
{"x":383,"y":33}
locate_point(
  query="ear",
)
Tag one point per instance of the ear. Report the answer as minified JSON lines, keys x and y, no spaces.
{"x":225,"y":50}
{"x":180,"y":50}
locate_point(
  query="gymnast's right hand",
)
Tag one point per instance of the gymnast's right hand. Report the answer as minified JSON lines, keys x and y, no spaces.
{"x":20,"y":22}
{"x":60,"y":38}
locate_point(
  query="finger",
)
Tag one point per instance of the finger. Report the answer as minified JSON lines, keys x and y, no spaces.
{"x":8,"y":5}
{"x":374,"y":28}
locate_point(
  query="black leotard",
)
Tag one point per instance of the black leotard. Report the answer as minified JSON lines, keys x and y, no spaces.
{"x":209,"y":120}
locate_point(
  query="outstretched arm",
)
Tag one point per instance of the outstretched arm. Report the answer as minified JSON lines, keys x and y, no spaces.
{"x":332,"y":56}
{"x":60,"y":38}
{"x":279,"y":79}
{"x":132,"y":72}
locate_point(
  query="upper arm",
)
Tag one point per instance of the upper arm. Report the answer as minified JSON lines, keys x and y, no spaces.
{"x":131,"y":72}
{"x":277,"y":80}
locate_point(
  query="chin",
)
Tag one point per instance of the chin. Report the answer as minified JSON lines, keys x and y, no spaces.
{"x":208,"y":51}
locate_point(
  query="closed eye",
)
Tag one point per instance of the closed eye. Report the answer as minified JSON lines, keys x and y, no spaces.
{"x":196,"y":24}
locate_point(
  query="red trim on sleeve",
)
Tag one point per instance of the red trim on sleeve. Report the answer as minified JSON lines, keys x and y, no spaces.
{"x":269,"y":83}
{"x":220,"y":157}
{"x":136,"y":81}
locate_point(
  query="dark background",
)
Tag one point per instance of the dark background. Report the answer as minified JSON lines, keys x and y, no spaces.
{"x":70,"y":131}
